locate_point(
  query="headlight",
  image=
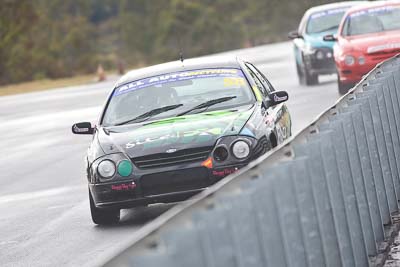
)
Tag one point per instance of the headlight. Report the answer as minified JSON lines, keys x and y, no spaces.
{"x":220,"y":154}
{"x":361,"y":60}
{"x":106,"y":169}
{"x":124,"y":168}
{"x":240,"y":149}
{"x":319,"y":55}
{"x":349,"y":60}
{"x":308,"y":49}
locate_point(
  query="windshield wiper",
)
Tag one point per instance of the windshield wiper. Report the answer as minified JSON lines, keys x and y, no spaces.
{"x":327,"y":29}
{"x":151,"y":113}
{"x":208,"y":104}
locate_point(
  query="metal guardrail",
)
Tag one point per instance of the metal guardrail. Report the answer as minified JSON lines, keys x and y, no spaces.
{"x":325,"y":198}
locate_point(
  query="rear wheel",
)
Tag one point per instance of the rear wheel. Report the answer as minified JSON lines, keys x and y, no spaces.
{"x":103,"y":216}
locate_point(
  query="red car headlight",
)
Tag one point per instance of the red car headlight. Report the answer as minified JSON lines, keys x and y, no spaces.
{"x":349,"y":60}
{"x":361,"y":60}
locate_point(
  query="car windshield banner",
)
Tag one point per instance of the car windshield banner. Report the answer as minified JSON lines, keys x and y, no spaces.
{"x":329,"y":12}
{"x":372,"y":11}
{"x":176,"y":77}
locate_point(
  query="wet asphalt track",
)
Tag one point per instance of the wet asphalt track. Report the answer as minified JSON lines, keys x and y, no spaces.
{"x":44,"y":208}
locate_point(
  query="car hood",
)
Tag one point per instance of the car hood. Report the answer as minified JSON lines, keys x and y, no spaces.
{"x":376,"y":42}
{"x":317,"y":39}
{"x":196,"y":130}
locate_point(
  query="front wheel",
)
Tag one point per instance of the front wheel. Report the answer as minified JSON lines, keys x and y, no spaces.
{"x":310,"y":79}
{"x":103,"y":216}
{"x":343,"y":87}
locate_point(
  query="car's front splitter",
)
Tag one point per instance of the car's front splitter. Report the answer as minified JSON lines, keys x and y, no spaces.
{"x":160,"y":187}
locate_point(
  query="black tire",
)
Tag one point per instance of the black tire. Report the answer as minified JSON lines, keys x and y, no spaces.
{"x":343,"y":88}
{"x":103,"y":216}
{"x":310,"y":79}
{"x":300,"y":75}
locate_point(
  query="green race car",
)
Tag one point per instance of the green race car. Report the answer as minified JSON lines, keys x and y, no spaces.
{"x":169,"y":131}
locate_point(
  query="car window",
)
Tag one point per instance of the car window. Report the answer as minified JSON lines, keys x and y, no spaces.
{"x":257,"y":82}
{"x":186,"y":89}
{"x":372,"y":20}
{"x":262,"y":78}
{"x":326,"y":20}
{"x":262,"y":82}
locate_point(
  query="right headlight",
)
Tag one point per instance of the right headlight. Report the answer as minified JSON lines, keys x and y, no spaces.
{"x":241,"y":149}
{"x":106,"y":169}
{"x":349,"y":60}
{"x":361,"y":60}
{"x":319,"y":55}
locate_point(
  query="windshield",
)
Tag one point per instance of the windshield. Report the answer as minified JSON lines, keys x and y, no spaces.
{"x":325,"y":20}
{"x":170,"y":94}
{"x":372,"y":20}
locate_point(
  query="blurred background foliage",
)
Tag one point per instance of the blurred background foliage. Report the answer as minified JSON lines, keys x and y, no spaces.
{"x":61,"y":38}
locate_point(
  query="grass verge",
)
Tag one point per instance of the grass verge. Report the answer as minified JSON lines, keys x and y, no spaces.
{"x":41,"y":85}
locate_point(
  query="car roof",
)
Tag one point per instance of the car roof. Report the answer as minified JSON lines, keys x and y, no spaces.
{"x":177,"y":66}
{"x":372,"y":5}
{"x":334,"y":5}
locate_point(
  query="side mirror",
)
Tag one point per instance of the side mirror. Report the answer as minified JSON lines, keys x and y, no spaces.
{"x":277,"y":97}
{"x":82,"y":128}
{"x":330,"y":38}
{"x":294,"y":35}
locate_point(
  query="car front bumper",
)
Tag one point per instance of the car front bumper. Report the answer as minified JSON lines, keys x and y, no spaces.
{"x":159,"y":187}
{"x":325,"y":65}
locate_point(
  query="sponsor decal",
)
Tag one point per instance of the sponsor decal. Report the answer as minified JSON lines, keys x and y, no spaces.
{"x":374,"y":49}
{"x":234,"y":82}
{"x":258,"y":93}
{"x":329,"y":12}
{"x":248,"y":132}
{"x":224,"y":172}
{"x":80,"y":130}
{"x":279,"y":98}
{"x":375,"y":10}
{"x":123,"y":187}
{"x":179,"y":76}
{"x":171,"y":150}
{"x":200,"y":135}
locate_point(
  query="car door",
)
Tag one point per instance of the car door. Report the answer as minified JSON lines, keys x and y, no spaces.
{"x":278,"y":114}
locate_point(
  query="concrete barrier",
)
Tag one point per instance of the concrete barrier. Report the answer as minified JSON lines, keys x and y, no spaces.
{"x":327,"y":197}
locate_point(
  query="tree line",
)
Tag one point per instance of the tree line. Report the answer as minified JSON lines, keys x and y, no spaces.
{"x":61,"y":38}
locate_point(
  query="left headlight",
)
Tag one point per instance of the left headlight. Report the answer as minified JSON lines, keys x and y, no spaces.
{"x":319,"y":55}
{"x":349,"y":60}
{"x":309,"y":50}
{"x":241,"y":149}
{"x":106,"y":169}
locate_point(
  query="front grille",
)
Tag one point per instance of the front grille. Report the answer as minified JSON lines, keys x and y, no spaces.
{"x":170,"y":159}
{"x":327,"y":62}
{"x":175,"y":181}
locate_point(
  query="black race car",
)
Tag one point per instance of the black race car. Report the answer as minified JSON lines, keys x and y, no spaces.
{"x":171,"y":130}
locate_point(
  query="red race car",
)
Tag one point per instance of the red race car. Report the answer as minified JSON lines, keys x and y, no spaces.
{"x":367,"y":35}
